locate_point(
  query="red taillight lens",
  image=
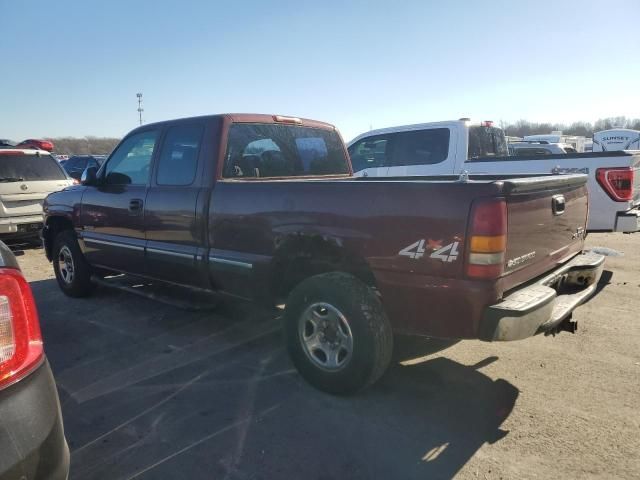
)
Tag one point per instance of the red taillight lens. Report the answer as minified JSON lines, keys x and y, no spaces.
{"x":487,"y":238}
{"x":617,"y":182}
{"x":20,"y":338}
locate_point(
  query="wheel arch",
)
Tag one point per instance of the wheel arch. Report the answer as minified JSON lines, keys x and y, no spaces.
{"x":302,"y":256}
{"x":53,"y":226}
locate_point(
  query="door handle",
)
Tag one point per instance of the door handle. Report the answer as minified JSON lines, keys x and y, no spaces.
{"x":135,"y":205}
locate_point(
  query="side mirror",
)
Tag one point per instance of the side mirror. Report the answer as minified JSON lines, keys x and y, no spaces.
{"x":89,"y":176}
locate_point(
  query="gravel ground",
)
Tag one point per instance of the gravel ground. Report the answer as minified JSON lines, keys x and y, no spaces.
{"x":151,"y":391}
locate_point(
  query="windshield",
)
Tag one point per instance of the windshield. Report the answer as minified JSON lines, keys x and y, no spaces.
{"x":487,"y":142}
{"x":265,"y":150}
{"x":21,"y":167}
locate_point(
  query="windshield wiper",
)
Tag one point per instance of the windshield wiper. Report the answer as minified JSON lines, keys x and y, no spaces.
{"x":11,"y":179}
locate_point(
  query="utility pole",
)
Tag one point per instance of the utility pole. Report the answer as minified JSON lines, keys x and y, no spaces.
{"x":140,"y":109}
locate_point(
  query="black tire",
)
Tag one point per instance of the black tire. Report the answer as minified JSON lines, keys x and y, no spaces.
{"x":367,"y":324}
{"x":79,"y":284}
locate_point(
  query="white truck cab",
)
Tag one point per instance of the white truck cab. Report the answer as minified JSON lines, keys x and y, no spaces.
{"x":436,"y":148}
{"x":458,"y":146}
{"x":616,"y":139}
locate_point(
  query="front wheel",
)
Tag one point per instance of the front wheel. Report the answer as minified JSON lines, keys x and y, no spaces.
{"x":73,"y":273}
{"x":337,"y":333}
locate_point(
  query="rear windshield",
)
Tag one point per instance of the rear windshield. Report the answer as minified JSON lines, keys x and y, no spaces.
{"x":487,"y":142}
{"x":21,"y":167}
{"x":264,"y":150}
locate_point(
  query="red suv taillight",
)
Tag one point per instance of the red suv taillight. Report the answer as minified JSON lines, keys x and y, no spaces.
{"x":20,"y":338}
{"x":487,"y":238}
{"x":617,"y":182}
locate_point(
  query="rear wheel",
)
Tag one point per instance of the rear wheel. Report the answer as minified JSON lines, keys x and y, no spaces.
{"x":337,"y":333}
{"x":73,"y":273}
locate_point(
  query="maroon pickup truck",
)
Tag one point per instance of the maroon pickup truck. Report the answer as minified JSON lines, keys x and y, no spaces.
{"x":265,"y":208}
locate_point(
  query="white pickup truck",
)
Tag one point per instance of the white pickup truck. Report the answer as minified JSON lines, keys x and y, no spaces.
{"x":459,"y":146}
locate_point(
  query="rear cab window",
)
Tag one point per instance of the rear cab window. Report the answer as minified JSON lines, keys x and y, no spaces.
{"x":17,"y":167}
{"x":486,"y":142}
{"x":275,"y":151}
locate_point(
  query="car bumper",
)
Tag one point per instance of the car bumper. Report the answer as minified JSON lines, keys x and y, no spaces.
{"x":21,"y":227}
{"x":543,"y":306}
{"x":628,"y":222}
{"x":32,"y":443}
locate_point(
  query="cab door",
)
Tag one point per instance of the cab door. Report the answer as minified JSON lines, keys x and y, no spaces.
{"x":421,"y":152}
{"x":112,"y":214}
{"x":174,"y":211}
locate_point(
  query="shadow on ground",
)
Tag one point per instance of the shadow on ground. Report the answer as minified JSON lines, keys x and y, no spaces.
{"x":151,"y":391}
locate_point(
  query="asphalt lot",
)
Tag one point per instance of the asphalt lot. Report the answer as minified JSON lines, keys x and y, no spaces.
{"x":151,"y":391}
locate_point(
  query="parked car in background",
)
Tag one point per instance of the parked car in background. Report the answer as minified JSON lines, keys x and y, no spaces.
{"x":26,"y":178}
{"x":265,"y":208}
{"x":32,"y":443}
{"x":616,"y":139}
{"x":462,"y":146}
{"x":77,"y":164}
{"x":524,"y":148}
{"x":32,"y":143}
{"x":6,"y":143}
{"x":576,"y":141}
{"x":61,"y":158}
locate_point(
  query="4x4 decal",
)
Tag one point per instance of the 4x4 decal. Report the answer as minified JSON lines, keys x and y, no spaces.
{"x":448,"y":253}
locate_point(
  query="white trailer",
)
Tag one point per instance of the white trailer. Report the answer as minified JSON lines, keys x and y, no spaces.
{"x":616,"y":139}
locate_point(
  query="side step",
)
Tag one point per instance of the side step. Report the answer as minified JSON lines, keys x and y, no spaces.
{"x":180,"y":297}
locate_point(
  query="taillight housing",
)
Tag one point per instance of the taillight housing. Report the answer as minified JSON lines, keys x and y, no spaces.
{"x":617,"y":182}
{"x":21,"y":348}
{"x":487,"y":238}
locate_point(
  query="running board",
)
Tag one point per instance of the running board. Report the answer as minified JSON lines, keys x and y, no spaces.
{"x":177,"y":296}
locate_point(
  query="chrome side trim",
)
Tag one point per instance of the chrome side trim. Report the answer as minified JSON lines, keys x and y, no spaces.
{"x":171,"y":254}
{"x":226,"y":261}
{"x":113,"y":244}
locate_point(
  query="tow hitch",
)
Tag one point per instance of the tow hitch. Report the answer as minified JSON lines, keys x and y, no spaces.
{"x":567,"y":325}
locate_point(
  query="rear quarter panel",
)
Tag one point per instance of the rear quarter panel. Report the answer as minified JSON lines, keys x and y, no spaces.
{"x":256,"y":224}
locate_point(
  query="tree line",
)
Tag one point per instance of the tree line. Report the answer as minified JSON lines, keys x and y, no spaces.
{"x":524,"y":127}
{"x":104,"y":145}
{"x":83,"y":146}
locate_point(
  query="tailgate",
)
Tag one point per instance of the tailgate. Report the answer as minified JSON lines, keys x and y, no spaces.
{"x":546,"y":219}
{"x":25,"y":198}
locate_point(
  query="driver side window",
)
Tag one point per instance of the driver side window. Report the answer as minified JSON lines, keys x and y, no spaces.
{"x":130,"y":164}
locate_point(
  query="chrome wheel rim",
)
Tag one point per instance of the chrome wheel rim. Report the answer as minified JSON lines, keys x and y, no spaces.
{"x":326,"y":336}
{"x":65,"y":264}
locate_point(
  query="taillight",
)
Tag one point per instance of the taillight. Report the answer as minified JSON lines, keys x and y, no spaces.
{"x":20,"y":338}
{"x":487,"y":238}
{"x":617,"y":182}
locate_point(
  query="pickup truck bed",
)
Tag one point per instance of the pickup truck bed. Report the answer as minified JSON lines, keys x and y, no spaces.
{"x":353,"y":258}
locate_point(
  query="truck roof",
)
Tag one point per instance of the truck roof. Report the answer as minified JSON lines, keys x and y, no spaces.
{"x":416,"y":126}
{"x":247,"y":118}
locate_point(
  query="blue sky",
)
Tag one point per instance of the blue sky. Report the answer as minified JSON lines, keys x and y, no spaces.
{"x":73,"y":67}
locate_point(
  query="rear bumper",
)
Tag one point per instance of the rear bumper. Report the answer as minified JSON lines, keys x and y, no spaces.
{"x":32,"y":443}
{"x":628,"y":222}
{"x":21,"y":227}
{"x":541,"y":307}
